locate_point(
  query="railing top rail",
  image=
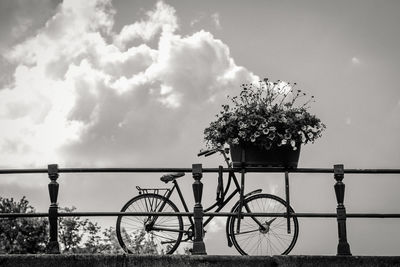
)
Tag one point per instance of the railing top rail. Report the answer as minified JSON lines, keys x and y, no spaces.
{"x":214,"y":214}
{"x":188,"y":170}
{"x":22,"y":171}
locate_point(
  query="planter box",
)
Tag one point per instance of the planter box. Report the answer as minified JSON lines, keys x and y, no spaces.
{"x":254,"y":156}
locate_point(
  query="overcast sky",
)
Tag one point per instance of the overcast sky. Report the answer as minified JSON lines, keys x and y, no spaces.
{"x":133,"y":84}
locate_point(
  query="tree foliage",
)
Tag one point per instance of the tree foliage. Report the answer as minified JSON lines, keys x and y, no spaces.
{"x":21,"y":235}
{"x":76,"y":235}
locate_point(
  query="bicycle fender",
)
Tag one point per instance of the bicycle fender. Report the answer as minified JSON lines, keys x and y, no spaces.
{"x":258,"y":191}
{"x":228,"y":220}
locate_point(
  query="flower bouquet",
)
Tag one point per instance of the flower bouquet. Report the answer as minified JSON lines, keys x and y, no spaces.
{"x":266,"y":119}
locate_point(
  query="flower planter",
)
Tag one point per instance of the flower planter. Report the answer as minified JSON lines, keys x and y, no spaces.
{"x":255,"y":156}
{"x":265,"y":115}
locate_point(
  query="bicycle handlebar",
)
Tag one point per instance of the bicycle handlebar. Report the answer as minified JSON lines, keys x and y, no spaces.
{"x":203,"y":152}
{"x":223,"y":151}
{"x":210,"y":153}
{"x":207,"y":153}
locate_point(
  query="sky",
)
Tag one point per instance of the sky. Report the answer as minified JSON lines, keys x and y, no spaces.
{"x":102,"y":83}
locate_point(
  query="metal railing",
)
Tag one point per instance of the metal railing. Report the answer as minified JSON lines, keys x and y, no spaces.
{"x":198,"y":214}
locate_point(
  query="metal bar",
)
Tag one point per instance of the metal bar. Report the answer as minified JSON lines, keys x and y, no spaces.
{"x":237,"y":169}
{"x":287,"y":201}
{"x":128,"y":170}
{"x":23,"y":215}
{"x":22,"y":171}
{"x":208,"y":170}
{"x":372,"y":171}
{"x":205,"y":214}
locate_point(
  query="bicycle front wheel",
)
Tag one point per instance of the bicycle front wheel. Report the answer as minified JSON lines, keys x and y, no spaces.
{"x":264,"y":235}
{"x":146,"y":234}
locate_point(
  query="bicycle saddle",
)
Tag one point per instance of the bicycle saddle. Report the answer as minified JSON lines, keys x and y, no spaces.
{"x":172,"y":176}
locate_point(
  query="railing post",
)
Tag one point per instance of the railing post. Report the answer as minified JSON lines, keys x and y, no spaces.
{"x":343,"y":248}
{"x":199,"y":247}
{"x":53,"y":246}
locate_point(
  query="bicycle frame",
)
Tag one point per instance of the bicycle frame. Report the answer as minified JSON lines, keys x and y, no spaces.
{"x":219,"y":205}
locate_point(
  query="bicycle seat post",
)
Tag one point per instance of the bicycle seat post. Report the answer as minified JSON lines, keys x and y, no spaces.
{"x":199,"y":247}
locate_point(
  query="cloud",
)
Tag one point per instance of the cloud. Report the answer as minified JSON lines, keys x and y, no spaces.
{"x":216,"y":225}
{"x":215,"y":18}
{"x":205,"y":19}
{"x":161,"y":19}
{"x":355,"y":60}
{"x":84,"y":94}
{"x":20,"y":18}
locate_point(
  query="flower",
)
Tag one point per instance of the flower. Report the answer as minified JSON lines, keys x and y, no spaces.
{"x":265,"y":116}
{"x":271,"y":136}
{"x":293,"y":143}
{"x":272,"y":119}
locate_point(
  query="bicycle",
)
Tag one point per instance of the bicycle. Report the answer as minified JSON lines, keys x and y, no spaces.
{"x":250,"y":235}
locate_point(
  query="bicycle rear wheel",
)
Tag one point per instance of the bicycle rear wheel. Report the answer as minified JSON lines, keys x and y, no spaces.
{"x":149,"y":234}
{"x":272,"y":238}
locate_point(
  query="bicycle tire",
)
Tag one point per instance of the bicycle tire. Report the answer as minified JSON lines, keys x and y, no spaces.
{"x":131,"y":231}
{"x":252,"y":240}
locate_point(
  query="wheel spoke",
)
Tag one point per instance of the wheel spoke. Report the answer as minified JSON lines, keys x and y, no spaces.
{"x":269,"y":238}
{"x":135,"y":233}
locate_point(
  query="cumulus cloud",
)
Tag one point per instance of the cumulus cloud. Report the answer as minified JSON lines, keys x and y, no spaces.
{"x":84,"y":94}
{"x":162,"y":19}
{"x":18,"y":18}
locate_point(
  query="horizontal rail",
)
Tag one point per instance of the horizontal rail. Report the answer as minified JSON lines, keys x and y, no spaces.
{"x":20,"y":215}
{"x":188,"y":170}
{"x":206,"y":214}
{"x":198,"y":213}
